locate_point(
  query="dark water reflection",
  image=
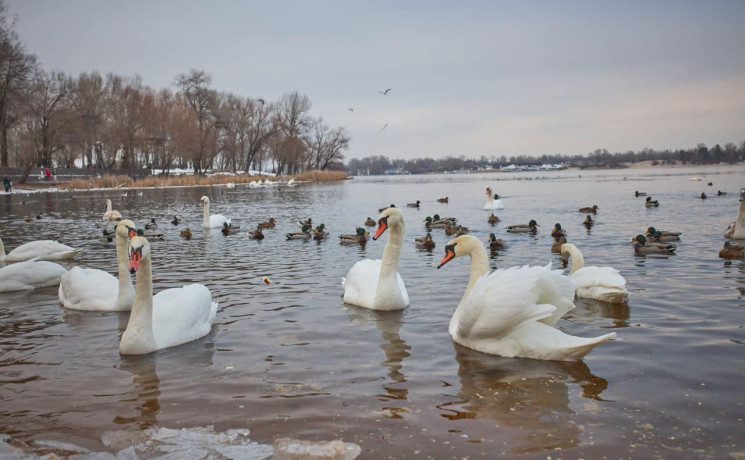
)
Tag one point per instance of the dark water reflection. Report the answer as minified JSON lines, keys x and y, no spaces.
{"x":290,"y":359}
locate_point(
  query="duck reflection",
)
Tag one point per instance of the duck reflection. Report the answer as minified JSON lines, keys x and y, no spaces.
{"x":590,"y":311}
{"x":527,"y":394}
{"x":395,"y":350}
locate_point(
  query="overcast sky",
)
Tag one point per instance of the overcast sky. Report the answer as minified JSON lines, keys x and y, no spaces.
{"x":467,"y":78}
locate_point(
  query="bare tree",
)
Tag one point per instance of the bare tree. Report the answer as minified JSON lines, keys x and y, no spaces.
{"x":88,"y":100}
{"x":15,"y":68}
{"x":203,"y":102}
{"x":293,"y":122}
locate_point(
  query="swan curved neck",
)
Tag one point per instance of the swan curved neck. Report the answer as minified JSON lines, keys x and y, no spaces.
{"x":2,"y":250}
{"x":391,"y":253}
{"x":578,"y":261}
{"x":108,"y":205}
{"x":206,"y":219}
{"x":740,"y":223}
{"x":138,"y":338}
{"x":479,"y":266}
{"x":125,"y":279}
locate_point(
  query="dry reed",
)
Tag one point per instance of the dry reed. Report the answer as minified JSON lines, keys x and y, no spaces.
{"x":109,"y":181}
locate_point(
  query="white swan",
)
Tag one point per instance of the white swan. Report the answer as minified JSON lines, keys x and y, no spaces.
{"x":492,"y":203}
{"x":736,"y":230}
{"x":511,"y":312}
{"x":376,"y":284}
{"x":30,"y":274}
{"x":40,"y":250}
{"x":172,"y":317}
{"x":96,"y":290}
{"x":111,"y":215}
{"x":599,"y":283}
{"x":213,"y":221}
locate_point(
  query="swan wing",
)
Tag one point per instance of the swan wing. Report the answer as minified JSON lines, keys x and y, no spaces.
{"x":361,"y":283}
{"x":89,"y":289}
{"x":42,"y":249}
{"x":182,"y":314}
{"x":217,"y":220}
{"x":30,"y":274}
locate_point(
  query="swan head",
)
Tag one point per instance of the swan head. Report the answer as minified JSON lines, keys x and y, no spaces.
{"x":565,"y":253}
{"x":205,"y":199}
{"x":388,"y":218}
{"x":488,"y":191}
{"x":458,"y":246}
{"x":139,"y":250}
{"x":126,"y":229}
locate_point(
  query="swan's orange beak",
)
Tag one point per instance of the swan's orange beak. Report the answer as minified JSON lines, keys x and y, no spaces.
{"x":382,"y":227}
{"x":131,"y":232}
{"x":449,"y":255}
{"x":135,"y":257}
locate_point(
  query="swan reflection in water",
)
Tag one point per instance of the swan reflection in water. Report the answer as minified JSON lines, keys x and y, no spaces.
{"x":144,"y":393}
{"x":395,"y":350}
{"x":528,"y":398}
{"x":593,"y":311}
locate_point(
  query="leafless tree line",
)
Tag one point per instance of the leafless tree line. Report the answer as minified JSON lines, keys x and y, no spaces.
{"x":52,"y":119}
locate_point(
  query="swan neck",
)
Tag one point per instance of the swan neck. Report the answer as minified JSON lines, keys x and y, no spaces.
{"x":739,"y":223}
{"x":391,"y":253}
{"x":125,"y":279}
{"x":578,"y":261}
{"x":142,"y":308}
{"x":206,"y":219}
{"x":479,"y":267}
{"x":2,"y":250}
{"x":108,"y":205}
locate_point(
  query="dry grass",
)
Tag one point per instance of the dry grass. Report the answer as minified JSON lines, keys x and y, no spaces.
{"x":109,"y":181}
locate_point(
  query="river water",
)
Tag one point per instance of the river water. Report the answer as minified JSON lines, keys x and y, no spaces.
{"x":290,"y":359}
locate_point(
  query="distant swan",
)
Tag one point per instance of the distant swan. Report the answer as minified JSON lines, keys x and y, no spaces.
{"x":511,"y":312}
{"x":40,"y":249}
{"x":172,"y":317}
{"x":91,"y":289}
{"x":600,"y":283}
{"x":111,"y":215}
{"x":376,"y":284}
{"x":492,"y":202}
{"x":30,"y":274}
{"x":212,"y":221}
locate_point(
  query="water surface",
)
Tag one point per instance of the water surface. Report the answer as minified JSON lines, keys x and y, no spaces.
{"x":290,"y":359}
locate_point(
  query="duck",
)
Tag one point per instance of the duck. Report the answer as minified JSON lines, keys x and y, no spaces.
{"x":425,"y":242}
{"x":171,"y":317}
{"x":109,"y":214}
{"x":436,"y":218}
{"x":702,"y":196}
{"x":413,"y":205}
{"x":256,"y":234}
{"x":652,"y":231}
{"x":30,"y":274}
{"x":532,"y":227}
{"x":642,"y":248}
{"x":358,"y":237}
{"x":492,"y":219}
{"x":308,"y":222}
{"x":638,"y":193}
{"x":107,"y":236}
{"x":451,"y":229}
{"x":383,"y":209}
{"x":152,"y":224}
{"x":176,"y":220}
{"x":39,"y":216}
{"x":429,"y":223}
{"x":492,"y":200}
{"x":495,"y":243}
{"x":185,"y":233}
{"x":556,"y":247}
{"x":304,"y":234}
{"x":442,"y":200}
{"x":598,"y":283}
{"x":646,"y":242}
{"x":228,"y":229}
{"x":557,"y":231}
{"x":650,"y":203}
{"x":320,"y":233}
{"x":271,"y":223}
{"x":658,"y":237}
{"x":370,"y":222}
{"x":40,"y":250}
{"x":512,"y":312}
{"x":736,"y":229}
{"x":211,"y":221}
{"x":588,"y":222}
{"x":29,"y":218}
{"x":150,"y":235}
{"x":589,"y":209}
{"x":91,"y":289}
{"x":376,"y":284}
{"x":720,"y":193}
{"x":732,"y":251}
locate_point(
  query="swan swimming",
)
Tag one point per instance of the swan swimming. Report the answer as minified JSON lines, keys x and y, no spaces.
{"x":30,"y":274}
{"x":111,"y":214}
{"x":376,"y":284}
{"x":214,"y":220}
{"x":511,"y":312}
{"x":492,"y":201}
{"x":174,"y":316}
{"x":91,"y":289}
{"x":600,"y":283}
{"x":40,"y":250}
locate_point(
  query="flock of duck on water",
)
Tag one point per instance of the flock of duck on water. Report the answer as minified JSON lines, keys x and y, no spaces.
{"x":508,"y":312}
